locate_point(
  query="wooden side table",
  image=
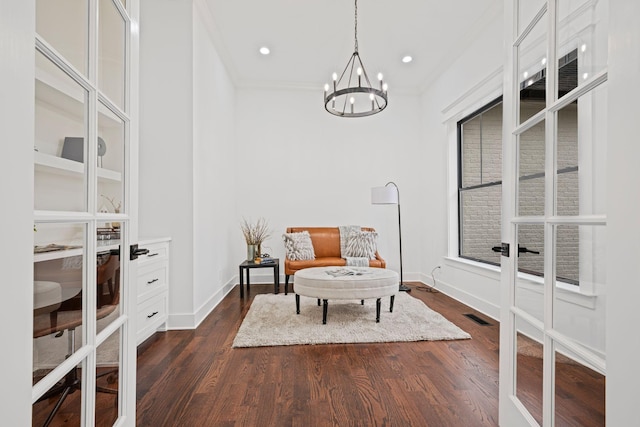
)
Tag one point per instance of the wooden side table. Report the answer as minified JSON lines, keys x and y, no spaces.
{"x":246,"y":266}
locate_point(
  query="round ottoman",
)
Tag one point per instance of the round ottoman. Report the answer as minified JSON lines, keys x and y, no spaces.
{"x":325,"y":283}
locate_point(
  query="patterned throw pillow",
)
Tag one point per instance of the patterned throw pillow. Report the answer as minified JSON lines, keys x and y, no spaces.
{"x":298,"y":246}
{"x":362,"y":244}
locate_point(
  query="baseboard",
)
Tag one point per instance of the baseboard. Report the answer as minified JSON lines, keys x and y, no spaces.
{"x":192,"y":320}
{"x":483,"y":306}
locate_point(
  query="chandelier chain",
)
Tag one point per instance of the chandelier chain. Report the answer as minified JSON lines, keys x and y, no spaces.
{"x":355,"y":32}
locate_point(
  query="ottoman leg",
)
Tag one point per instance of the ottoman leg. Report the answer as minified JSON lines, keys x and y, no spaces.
{"x":361,"y":302}
{"x":318,"y":302}
{"x":378,"y":304}
{"x":325,"y":306}
{"x":297,"y":304}
{"x":393,"y":298}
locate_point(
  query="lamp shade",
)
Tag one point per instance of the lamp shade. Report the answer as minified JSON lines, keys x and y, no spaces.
{"x":384,"y":195}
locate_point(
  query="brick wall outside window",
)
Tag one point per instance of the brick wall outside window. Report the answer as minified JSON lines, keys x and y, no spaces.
{"x":480,"y":208}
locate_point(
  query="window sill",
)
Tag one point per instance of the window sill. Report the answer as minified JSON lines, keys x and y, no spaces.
{"x":565,"y":292}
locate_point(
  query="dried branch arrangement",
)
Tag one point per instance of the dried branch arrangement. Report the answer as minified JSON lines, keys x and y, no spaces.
{"x":255,"y":234}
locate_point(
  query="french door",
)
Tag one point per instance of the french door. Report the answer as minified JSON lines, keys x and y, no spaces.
{"x":554,"y":156}
{"x":84,"y":212}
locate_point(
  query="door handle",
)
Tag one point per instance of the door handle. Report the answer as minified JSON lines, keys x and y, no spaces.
{"x":135,"y":251}
{"x":504,"y":250}
{"x":523,"y":250}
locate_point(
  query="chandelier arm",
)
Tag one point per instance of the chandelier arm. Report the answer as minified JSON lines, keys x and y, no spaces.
{"x":366,"y":77}
{"x":353,"y":63}
{"x":345,"y":69}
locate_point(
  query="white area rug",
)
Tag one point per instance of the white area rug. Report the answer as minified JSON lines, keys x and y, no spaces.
{"x":272,"y":321}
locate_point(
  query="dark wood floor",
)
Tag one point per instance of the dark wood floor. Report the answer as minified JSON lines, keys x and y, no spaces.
{"x":195,"y":378}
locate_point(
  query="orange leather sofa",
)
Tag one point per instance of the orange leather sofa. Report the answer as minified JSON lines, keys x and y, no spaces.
{"x":326,"y":245}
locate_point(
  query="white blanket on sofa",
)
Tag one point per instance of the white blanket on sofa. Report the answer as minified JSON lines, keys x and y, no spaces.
{"x":357,"y":261}
{"x":344,"y":234}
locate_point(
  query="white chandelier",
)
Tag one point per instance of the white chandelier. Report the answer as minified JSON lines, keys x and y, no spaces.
{"x":352,"y":94}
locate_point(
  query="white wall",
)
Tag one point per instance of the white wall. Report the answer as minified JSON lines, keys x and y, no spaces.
{"x":297,"y":165}
{"x":471,"y":82}
{"x":166,"y":138}
{"x":188,"y":156}
{"x":214,"y":168}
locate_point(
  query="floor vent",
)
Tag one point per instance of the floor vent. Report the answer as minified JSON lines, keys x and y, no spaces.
{"x":477,"y":319}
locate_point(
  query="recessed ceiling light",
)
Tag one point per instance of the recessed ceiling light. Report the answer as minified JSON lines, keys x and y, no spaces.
{"x":406,"y":59}
{"x":265,"y":50}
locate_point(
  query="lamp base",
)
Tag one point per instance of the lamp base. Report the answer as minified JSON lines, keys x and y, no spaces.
{"x":404,"y":288}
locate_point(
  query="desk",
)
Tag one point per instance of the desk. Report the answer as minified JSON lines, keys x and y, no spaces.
{"x":246,"y":266}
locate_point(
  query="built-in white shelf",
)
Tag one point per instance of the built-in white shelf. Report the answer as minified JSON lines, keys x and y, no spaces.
{"x":102,"y":246}
{"x":55,"y":164}
{"x":69,"y":97}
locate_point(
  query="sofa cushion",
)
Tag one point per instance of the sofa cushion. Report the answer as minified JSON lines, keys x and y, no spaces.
{"x":362,"y":244}
{"x":298,"y":246}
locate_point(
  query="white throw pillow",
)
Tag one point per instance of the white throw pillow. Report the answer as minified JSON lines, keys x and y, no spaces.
{"x":362,"y":244}
{"x":298,"y":246}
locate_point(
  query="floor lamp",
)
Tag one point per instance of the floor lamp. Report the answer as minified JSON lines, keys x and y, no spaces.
{"x":390,"y":195}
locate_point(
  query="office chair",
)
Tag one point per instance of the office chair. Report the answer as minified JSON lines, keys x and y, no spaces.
{"x":68,"y":317}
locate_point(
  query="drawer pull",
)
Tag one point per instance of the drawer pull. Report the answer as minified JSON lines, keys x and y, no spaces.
{"x":152,"y":281}
{"x":152,"y":314}
{"x":153,"y":254}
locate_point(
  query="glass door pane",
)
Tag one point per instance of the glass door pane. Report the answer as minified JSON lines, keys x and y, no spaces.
{"x":531,"y":171}
{"x":108,"y":362}
{"x":582,"y":406}
{"x":580,"y":263}
{"x":532,"y":67}
{"x":581,"y":155}
{"x":582,"y":33}
{"x":70,"y":410}
{"x":60,"y":135}
{"x":58,"y":305}
{"x":529,"y":292}
{"x":111,"y":147}
{"x":64,"y":24}
{"x":111,"y":52}
{"x":529,"y":368}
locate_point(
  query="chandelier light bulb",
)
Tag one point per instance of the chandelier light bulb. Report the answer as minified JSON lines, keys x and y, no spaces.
{"x":544,"y":61}
{"x":334,"y":76}
{"x":385,"y":87}
{"x":380,"y":76}
{"x":359,"y":71}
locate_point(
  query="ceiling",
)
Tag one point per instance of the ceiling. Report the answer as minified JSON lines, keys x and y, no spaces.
{"x":310,"y":39}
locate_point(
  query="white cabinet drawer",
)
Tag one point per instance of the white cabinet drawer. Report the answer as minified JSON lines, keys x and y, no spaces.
{"x":152,"y":285}
{"x":151,"y":315}
{"x":157,"y":252}
{"x":152,"y":278}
